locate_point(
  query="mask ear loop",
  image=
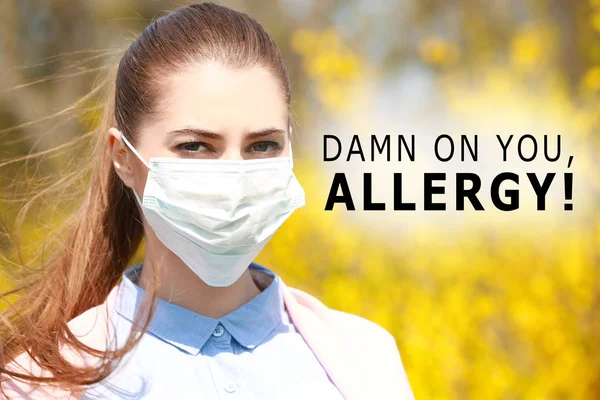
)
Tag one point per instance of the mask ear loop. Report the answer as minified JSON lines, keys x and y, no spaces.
{"x":291,"y":155}
{"x":134,"y":150}
{"x":141,"y":159}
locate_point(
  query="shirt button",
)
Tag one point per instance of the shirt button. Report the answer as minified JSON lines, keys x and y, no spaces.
{"x":230,"y":387}
{"x":218,"y":331}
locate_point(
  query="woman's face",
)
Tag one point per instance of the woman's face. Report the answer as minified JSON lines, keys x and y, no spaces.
{"x":210,"y":112}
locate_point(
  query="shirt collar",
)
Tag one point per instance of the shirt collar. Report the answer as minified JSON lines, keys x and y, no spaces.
{"x":187,"y":330}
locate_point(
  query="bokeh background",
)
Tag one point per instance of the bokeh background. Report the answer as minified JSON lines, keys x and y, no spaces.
{"x":485,"y":305}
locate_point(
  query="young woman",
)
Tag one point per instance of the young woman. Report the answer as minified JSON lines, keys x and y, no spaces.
{"x":195,"y":158}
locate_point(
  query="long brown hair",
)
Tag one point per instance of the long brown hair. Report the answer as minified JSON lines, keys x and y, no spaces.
{"x":106,"y":231}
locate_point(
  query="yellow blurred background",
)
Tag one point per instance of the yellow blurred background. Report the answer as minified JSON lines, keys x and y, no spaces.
{"x":483,"y":305}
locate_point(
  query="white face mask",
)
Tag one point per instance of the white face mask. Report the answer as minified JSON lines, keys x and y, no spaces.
{"x":217,"y":215}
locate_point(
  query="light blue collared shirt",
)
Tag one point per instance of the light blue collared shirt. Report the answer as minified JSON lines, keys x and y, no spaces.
{"x":254,"y":352}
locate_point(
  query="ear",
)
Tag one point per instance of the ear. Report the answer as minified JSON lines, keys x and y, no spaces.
{"x":121,"y":157}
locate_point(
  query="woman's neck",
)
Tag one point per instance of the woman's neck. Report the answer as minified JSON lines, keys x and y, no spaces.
{"x":179,"y":285}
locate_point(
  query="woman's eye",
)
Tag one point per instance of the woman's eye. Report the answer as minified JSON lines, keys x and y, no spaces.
{"x":191,"y":146}
{"x":262,"y":147}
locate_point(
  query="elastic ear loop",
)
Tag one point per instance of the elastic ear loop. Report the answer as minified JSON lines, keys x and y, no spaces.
{"x":134,"y":150}
{"x":291,"y":154}
{"x":141,"y":159}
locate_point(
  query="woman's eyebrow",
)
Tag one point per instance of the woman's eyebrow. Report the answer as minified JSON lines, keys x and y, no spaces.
{"x":265,"y":132}
{"x":200,"y":132}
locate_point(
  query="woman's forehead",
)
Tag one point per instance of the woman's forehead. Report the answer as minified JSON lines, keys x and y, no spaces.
{"x":221,"y":99}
